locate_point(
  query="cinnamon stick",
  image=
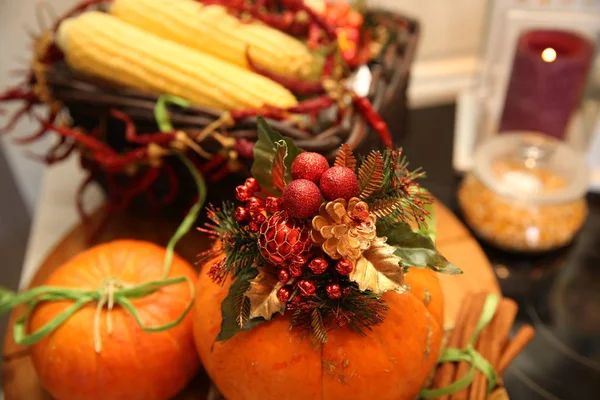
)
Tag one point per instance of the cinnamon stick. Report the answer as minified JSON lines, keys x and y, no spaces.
{"x":491,"y":342}
{"x":445,"y":372}
{"x":524,"y":335}
{"x":469,"y":328}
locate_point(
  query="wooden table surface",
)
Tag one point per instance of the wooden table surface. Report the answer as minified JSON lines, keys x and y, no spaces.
{"x":20,"y":380}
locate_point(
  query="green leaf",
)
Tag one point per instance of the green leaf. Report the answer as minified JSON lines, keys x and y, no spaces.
{"x":230,"y":305}
{"x":278,"y":171}
{"x":415,"y":249}
{"x":264,"y":155}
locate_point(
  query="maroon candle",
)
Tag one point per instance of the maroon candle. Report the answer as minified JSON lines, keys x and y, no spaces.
{"x":548,"y":76}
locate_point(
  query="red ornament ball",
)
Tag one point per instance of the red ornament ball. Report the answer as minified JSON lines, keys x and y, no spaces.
{"x":282,"y":238}
{"x":255,"y":204}
{"x":283,"y":294}
{"x":243,"y":193}
{"x":252,"y":184}
{"x":344,"y":267}
{"x":318,"y":265}
{"x":309,"y":166}
{"x":283,"y":276}
{"x":333,"y":291}
{"x":273,"y":204}
{"x":307,"y":287}
{"x":241,"y":214}
{"x":301,"y":198}
{"x":339,"y":183}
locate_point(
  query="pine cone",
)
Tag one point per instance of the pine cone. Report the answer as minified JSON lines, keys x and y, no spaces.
{"x":344,"y":229}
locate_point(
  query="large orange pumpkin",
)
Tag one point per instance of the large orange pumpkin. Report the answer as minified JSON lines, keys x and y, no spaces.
{"x":272,"y":362}
{"x":132,"y":364}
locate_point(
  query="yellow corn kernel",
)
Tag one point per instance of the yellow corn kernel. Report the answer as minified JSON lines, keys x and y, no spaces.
{"x":211,"y":29}
{"x":101,"y":45}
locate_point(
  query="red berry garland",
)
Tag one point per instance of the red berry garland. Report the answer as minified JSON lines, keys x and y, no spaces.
{"x":273,"y":204}
{"x":318,"y":265}
{"x":339,"y":183}
{"x":255,"y":204}
{"x":344,"y":267}
{"x":307,"y":287}
{"x":309,"y":165}
{"x":301,"y":198}
{"x":333,"y":291}
{"x":283,"y":294}
{"x":283,"y":276}
{"x":241,"y":214}
{"x":252,"y":184}
{"x":243,"y":193}
{"x":296,"y":270}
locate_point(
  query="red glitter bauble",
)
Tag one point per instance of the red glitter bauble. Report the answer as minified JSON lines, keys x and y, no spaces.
{"x":243,"y":193}
{"x":301,"y":198}
{"x":273,"y":204}
{"x":318,"y":265}
{"x":259,"y":218}
{"x":282,"y":238}
{"x":296,"y":270}
{"x":283,"y":294}
{"x":344,"y":267}
{"x":241,"y":214}
{"x":255,"y":204}
{"x":252,"y":184}
{"x":333,"y":291}
{"x":307,"y":287}
{"x":339,"y":183}
{"x":309,"y":166}
{"x":283,"y":276}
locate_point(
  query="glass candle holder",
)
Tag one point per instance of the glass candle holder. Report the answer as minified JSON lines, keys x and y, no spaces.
{"x":526,"y":192}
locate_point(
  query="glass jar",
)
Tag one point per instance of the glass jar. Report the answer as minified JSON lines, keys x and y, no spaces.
{"x":526,"y":192}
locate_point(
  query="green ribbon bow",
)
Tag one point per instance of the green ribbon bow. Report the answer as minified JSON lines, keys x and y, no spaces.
{"x":111,"y":291}
{"x":469,"y":355}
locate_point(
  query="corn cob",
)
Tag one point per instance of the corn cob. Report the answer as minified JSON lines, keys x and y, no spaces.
{"x":211,"y":29}
{"x":101,"y":45}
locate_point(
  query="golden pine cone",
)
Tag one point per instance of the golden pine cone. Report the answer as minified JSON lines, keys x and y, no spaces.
{"x":344,"y":229}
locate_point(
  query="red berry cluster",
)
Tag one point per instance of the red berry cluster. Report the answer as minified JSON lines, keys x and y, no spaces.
{"x":253,"y":211}
{"x":308,"y":287}
{"x":313,"y":179}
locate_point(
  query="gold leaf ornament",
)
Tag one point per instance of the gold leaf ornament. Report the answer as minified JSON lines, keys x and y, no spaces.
{"x":263,"y":295}
{"x":379,"y":270}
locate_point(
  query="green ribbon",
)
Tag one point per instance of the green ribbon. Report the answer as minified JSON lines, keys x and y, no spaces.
{"x":80,"y":297}
{"x":112,"y":291}
{"x":469,"y":355}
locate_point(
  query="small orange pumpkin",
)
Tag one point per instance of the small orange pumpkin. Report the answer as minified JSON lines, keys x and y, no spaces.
{"x":269,"y":361}
{"x":132,"y":364}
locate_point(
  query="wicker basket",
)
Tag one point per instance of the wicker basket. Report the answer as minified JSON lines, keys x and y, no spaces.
{"x":90,"y":102}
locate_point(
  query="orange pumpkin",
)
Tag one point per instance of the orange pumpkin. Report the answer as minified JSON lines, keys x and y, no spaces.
{"x":269,"y":361}
{"x":132,"y":364}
